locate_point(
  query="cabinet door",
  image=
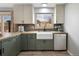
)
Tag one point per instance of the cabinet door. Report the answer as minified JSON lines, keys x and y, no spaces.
{"x":0,"y":48}
{"x":60,"y":9}
{"x":13,"y":46}
{"x":48,"y":44}
{"x":28,"y":13}
{"x":31,"y":42}
{"x":18,"y":14}
{"x":6,"y":46}
{"x":28,"y":41}
{"x":39,"y":45}
{"x":5,"y":49}
{"x":9,"y":47}
{"x":24,"y":42}
{"x":44,"y":44}
{"x":18,"y":44}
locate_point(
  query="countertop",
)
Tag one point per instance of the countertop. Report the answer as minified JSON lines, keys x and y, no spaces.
{"x":28,"y":32}
{"x":6,"y":35}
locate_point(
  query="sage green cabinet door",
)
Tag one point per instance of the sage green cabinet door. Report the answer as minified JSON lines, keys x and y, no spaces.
{"x":24,"y":42}
{"x":6,"y":46}
{"x":44,"y":44}
{"x":28,"y":41}
{"x":48,"y":44}
{"x":39,"y":45}
{"x":31,"y":44}
{"x":0,"y":48}
{"x":9,"y":47}
{"x":13,"y":46}
{"x":32,"y":41}
{"x":18,"y":44}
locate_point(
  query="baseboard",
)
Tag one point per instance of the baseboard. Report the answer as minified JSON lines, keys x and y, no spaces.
{"x":69,"y":53}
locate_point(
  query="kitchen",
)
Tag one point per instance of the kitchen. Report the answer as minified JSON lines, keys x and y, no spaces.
{"x":28,"y":29}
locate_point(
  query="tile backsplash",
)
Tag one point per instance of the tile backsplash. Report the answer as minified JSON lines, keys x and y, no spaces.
{"x":27,"y":27}
{"x":31,"y":27}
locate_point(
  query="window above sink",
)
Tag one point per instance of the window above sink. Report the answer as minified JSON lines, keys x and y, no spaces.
{"x":44,"y":18}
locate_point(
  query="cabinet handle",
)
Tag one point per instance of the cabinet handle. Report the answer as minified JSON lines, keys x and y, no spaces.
{"x":3,"y":50}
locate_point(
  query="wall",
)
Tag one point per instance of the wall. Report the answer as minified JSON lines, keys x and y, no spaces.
{"x":71,"y":26}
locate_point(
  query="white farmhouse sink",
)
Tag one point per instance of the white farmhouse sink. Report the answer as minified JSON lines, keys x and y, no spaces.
{"x":44,"y":35}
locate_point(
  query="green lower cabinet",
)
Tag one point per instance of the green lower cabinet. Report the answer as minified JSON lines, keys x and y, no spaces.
{"x":9,"y":47}
{"x":48,"y":45}
{"x":0,"y":48}
{"x":13,"y":46}
{"x":39,"y":44}
{"x":24,"y":42}
{"x":18,"y":44}
{"x":44,"y":44}
{"x":32,"y":41}
{"x":31,"y":44}
{"x":28,"y":41}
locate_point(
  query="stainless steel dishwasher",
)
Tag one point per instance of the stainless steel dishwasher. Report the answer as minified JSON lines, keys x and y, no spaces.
{"x":60,"y":41}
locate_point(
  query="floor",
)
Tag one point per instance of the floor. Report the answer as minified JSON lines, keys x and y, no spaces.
{"x":43,"y":53}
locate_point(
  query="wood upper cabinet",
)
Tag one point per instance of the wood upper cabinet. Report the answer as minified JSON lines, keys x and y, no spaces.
{"x":28,"y":13}
{"x":23,"y":13}
{"x":18,"y":13}
{"x":60,"y":11}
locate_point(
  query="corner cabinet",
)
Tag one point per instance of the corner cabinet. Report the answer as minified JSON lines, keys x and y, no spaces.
{"x":9,"y":47}
{"x":23,"y":14}
{"x":60,"y":13}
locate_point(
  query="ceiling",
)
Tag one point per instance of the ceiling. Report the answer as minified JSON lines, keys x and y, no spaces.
{"x":6,"y":5}
{"x":48,"y":5}
{"x":10,"y":5}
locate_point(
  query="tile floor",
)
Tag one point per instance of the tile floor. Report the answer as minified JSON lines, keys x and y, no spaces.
{"x":43,"y":53}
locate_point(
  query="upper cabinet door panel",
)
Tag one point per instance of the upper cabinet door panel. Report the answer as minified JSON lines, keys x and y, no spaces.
{"x":18,"y":13}
{"x":28,"y":13}
{"x":60,"y":9}
{"x":23,"y":13}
